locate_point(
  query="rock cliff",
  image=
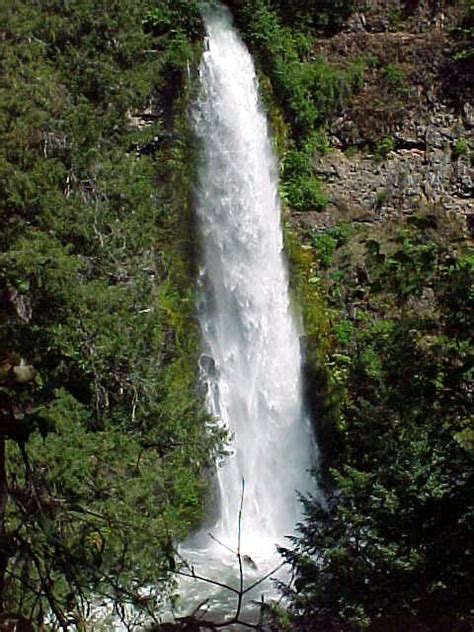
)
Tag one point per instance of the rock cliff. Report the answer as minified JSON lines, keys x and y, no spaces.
{"x":405,"y":140}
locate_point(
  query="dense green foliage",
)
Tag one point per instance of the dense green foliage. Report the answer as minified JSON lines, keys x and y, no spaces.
{"x":106,"y":464}
{"x":317,"y":16}
{"x":400,"y":501}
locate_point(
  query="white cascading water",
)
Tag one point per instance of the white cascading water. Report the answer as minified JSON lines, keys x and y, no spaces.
{"x":251,"y":359}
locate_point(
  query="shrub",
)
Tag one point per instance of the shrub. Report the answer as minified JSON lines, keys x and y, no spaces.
{"x":383,"y":148}
{"x":300,"y":187}
{"x":395,"y":79}
{"x":308,"y":88}
{"x":461,"y":148}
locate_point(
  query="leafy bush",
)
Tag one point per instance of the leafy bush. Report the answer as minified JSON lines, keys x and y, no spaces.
{"x":322,"y":15}
{"x":171,"y":16}
{"x":300,"y":188}
{"x":325,"y":244}
{"x":465,"y":36}
{"x":461,"y":148}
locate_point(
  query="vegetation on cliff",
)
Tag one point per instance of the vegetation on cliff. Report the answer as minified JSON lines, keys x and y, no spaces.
{"x":392,"y":540}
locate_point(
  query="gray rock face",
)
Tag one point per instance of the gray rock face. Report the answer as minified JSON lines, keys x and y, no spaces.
{"x":424,"y":168}
{"x":425,"y":118}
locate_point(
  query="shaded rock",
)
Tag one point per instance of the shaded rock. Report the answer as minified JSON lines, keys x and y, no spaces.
{"x":248,"y":561}
{"x":468,"y":115}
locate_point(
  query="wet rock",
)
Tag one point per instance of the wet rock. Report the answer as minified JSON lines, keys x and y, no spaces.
{"x":248,"y":561}
{"x":207,"y":365}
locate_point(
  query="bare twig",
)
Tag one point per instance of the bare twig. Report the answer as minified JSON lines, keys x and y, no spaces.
{"x":239,"y":556}
{"x":199,"y":607}
{"x":46,"y":585}
{"x":213,"y":537}
{"x":263,"y":578}
{"x":207,"y":580}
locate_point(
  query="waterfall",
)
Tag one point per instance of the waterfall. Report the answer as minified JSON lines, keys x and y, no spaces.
{"x":251,"y":362}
